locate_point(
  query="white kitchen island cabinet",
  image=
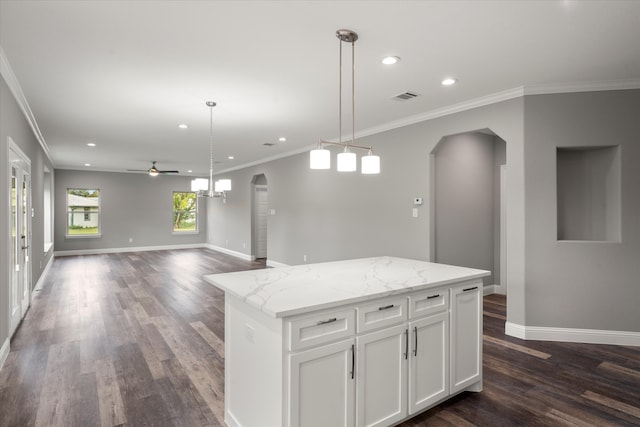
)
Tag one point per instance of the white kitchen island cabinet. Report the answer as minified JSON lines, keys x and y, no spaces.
{"x":366,"y":342}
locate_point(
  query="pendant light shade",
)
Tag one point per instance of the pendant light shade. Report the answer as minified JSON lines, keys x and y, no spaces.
{"x":370,"y":164}
{"x":320,"y":159}
{"x":200,"y":184}
{"x":222,"y":185}
{"x":347,"y":162}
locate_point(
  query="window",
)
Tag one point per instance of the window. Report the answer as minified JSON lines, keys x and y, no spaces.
{"x":185,"y":212}
{"x":47,"y":208}
{"x":83,"y":212}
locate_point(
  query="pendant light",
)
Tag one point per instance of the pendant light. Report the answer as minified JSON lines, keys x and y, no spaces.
{"x":320,"y":158}
{"x":204,"y":187}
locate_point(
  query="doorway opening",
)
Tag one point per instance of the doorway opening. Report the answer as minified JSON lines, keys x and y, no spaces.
{"x":259,"y":216}
{"x":20,"y":238}
{"x":468,"y":217}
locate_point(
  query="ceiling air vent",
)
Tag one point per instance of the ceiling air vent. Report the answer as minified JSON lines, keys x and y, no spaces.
{"x":405,"y":96}
{"x":269,"y":144}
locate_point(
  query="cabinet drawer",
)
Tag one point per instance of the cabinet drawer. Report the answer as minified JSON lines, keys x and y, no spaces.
{"x":321,"y":328}
{"x":380,"y":314}
{"x":428,"y":303}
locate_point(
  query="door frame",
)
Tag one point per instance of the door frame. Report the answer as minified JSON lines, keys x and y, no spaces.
{"x":15,"y":153}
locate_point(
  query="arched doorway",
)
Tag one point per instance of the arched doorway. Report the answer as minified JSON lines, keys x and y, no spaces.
{"x":259,"y":216}
{"x":468,"y":221}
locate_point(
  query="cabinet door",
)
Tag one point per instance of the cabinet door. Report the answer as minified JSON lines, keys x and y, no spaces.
{"x":429,"y":361}
{"x":466,"y":336}
{"x":381,"y":374}
{"x":322,"y":386}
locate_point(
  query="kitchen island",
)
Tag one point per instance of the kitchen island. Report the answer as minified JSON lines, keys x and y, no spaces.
{"x":367,"y":342}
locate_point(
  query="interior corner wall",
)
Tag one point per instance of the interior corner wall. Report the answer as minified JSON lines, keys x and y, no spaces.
{"x":581,"y":284}
{"x":132,"y":206}
{"x":13,"y":124}
{"x":328,"y":216}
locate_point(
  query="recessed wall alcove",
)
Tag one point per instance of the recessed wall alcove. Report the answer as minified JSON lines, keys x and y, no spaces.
{"x":588,"y":193}
{"x":468,"y":228}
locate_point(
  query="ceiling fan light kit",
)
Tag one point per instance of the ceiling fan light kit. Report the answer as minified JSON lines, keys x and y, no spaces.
{"x":320,"y":158}
{"x":207,"y":187}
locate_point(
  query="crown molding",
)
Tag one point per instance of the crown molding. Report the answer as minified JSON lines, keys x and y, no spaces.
{"x":14,"y":86}
{"x":549,"y":89}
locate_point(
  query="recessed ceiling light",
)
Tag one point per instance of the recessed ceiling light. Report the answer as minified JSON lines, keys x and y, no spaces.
{"x":87,"y":164}
{"x":230,"y":157}
{"x":182,"y":126}
{"x":390,"y":60}
{"x":189,"y":171}
{"x":91,"y":144}
{"x":282,"y":139}
{"x":449,"y":81}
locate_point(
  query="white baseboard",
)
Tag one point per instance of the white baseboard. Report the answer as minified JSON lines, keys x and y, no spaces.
{"x":128,"y":249}
{"x":4,"y":352}
{"x":40,"y":281}
{"x":246,"y":257}
{"x":585,"y":336}
{"x":489,"y":289}
{"x":271,"y":263}
{"x":240,"y":255}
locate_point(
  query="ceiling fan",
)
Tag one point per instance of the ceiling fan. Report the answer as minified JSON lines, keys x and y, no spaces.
{"x":153,"y":170}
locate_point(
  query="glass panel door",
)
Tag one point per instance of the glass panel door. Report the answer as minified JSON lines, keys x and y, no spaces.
{"x":20,"y":239}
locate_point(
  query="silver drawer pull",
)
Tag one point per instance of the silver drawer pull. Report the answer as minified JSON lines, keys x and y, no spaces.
{"x":386,"y":307}
{"x":324,"y":322}
{"x":469,"y":289}
{"x":433,"y":296}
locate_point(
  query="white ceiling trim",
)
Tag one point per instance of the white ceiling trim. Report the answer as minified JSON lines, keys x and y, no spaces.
{"x":14,"y":86}
{"x":582,"y":87}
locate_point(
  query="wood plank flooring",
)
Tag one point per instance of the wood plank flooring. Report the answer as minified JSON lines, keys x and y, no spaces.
{"x":137,"y":339}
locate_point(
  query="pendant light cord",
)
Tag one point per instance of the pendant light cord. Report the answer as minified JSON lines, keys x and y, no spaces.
{"x":340,"y":95}
{"x":211,"y":105}
{"x":353,"y":92}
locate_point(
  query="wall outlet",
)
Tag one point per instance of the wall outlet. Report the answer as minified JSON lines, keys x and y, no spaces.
{"x":244,"y":246}
{"x":272,"y":212}
{"x":415,"y":212}
{"x":250,"y":333}
{"x":130,"y":239}
{"x":417,"y":201}
{"x":226,"y":242}
{"x":304,"y":258}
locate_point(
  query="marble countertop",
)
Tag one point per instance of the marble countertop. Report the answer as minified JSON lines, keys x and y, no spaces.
{"x":287,"y":291}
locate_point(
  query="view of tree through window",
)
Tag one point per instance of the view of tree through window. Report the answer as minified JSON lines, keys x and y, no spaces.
{"x":83,"y":212}
{"x":185,"y":211}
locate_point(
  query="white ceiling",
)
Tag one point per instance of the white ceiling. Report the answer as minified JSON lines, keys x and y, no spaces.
{"x":123,"y":74}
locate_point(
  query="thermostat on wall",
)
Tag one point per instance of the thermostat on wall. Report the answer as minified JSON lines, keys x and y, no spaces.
{"x":417,"y":201}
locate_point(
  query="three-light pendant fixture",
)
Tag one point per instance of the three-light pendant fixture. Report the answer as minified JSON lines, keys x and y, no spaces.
{"x":320,"y":158}
{"x":207,"y":187}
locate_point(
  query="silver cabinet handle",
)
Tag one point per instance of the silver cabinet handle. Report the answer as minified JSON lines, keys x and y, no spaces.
{"x":406,"y":343}
{"x":386,"y":307}
{"x":324,"y":322}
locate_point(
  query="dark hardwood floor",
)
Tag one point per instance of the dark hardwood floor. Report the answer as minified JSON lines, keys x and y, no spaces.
{"x":136,"y":339}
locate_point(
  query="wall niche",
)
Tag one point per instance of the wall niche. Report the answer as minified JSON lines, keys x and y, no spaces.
{"x":588,"y":193}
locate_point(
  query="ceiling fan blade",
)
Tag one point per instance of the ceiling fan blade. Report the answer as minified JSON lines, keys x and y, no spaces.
{"x":168,"y":171}
{"x":137,"y":170}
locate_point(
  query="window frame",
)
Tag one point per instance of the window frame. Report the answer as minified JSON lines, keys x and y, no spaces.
{"x":83,"y":212}
{"x":194,"y":210}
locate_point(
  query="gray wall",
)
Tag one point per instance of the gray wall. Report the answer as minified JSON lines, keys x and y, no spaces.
{"x":329,"y":216}
{"x":132,"y":206}
{"x":465,"y":202}
{"x":13,"y":124}
{"x":590,"y":285}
